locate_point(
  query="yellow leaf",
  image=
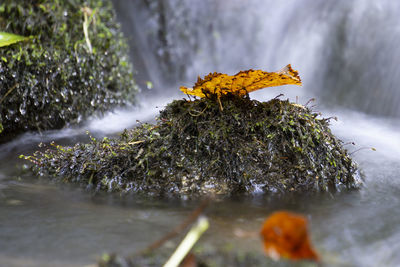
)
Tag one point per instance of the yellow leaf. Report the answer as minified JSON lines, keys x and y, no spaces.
{"x":242,"y":83}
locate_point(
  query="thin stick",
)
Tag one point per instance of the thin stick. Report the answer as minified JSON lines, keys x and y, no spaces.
{"x":188,"y":242}
{"x":8,"y":92}
{"x":199,"y":112}
{"x":309,"y":101}
{"x":220,"y":104}
{"x":189,"y":220}
{"x":362,"y":148}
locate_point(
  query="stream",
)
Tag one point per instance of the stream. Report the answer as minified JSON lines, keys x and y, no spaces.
{"x":347,"y":55}
{"x":51,"y":224}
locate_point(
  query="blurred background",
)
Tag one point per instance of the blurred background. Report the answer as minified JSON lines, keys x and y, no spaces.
{"x":345,"y":51}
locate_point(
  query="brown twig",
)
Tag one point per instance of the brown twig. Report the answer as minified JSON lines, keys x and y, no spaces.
{"x":178,"y":229}
{"x":8,"y":92}
{"x":278,"y":96}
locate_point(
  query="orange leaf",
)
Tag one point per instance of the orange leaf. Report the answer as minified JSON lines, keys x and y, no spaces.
{"x":241,"y":83}
{"x":285,"y":235}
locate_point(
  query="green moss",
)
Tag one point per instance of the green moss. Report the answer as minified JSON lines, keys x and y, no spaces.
{"x":62,"y":75}
{"x":195,"y":148}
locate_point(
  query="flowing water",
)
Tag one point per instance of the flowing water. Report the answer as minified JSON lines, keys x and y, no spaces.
{"x":346,"y":53}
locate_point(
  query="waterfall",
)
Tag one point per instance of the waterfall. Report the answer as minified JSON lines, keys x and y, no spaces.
{"x":346,"y":51}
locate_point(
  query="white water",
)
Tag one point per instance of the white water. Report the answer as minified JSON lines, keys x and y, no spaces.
{"x":346,"y":51}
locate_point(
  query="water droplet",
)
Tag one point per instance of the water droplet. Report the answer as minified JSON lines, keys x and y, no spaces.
{"x":22,"y":110}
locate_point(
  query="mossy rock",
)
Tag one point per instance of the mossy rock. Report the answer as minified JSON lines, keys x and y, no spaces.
{"x":55,"y":78}
{"x":197,"y":148}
